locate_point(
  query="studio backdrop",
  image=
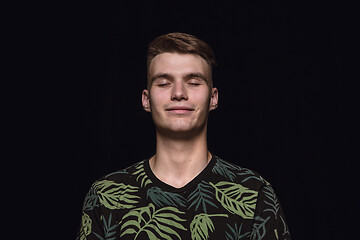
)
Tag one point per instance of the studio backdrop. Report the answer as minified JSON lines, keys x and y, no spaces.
{"x":280,"y":111}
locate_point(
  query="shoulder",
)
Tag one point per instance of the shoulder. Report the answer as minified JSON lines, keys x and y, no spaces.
{"x":112,"y":187}
{"x":123,"y":176}
{"x":229,"y":171}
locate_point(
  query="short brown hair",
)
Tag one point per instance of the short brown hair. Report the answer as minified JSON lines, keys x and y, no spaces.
{"x":180,"y":43}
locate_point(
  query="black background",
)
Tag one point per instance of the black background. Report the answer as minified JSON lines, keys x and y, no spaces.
{"x":281,"y":111}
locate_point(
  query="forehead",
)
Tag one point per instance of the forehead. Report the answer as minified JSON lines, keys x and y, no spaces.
{"x":176,"y":63}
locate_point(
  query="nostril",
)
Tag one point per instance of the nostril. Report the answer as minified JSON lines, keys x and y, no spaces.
{"x":179,"y":95}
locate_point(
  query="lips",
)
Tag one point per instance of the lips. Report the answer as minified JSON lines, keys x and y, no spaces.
{"x":179,"y":109}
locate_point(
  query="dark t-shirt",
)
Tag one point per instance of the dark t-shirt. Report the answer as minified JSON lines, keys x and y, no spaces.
{"x":224,"y":201}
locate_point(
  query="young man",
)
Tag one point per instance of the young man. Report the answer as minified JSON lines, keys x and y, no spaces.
{"x":183,"y":191}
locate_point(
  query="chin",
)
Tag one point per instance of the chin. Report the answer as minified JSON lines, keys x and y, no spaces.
{"x":180,"y":127}
{"x":181,"y":131}
{"x":180,"y":134}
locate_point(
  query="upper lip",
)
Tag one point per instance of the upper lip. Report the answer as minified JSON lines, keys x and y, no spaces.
{"x":179,"y":108}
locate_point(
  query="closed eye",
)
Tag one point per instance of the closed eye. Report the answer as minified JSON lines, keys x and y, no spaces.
{"x":194,"y":82}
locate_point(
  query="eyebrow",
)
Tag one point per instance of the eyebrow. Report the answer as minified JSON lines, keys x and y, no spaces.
{"x":160,"y":75}
{"x":186,"y":76}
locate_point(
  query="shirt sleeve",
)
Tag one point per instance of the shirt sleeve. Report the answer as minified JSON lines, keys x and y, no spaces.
{"x":269,"y":220}
{"x":91,"y":220}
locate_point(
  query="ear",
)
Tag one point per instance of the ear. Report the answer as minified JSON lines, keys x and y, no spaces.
{"x":146,"y":100}
{"x":214,"y":99}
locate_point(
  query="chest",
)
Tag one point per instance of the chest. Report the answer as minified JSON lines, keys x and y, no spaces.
{"x":204,"y":212}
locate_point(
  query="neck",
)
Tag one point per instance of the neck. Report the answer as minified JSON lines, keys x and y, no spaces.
{"x":178,"y":161}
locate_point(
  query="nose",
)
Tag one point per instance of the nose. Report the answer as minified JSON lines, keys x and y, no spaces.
{"x":179,"y":92}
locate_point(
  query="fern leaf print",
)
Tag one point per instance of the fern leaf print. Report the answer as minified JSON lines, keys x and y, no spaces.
{"x":141,"y":176}
{"x":202,"y":225}
{"x":236,"y":198}
{"x":116,"y":195}
{"x":162,"y":198}
{"x":224,"y":201}
{"x":201,"y":197}
{"x":155,"y":224}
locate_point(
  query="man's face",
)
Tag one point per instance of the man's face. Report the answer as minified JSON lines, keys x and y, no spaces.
{"x":180,"y":93}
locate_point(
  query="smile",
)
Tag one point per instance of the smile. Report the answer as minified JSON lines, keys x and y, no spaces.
{"x":180,"y":111}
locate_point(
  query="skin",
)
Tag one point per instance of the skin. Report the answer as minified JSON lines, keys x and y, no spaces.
{"x":179,"y":81}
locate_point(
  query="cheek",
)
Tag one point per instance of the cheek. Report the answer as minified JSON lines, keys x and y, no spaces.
{"x":157,"y":100}
{"x":201,"y":98}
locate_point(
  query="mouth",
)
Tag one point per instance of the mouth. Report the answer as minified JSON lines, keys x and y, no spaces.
{"x":180,"y":110}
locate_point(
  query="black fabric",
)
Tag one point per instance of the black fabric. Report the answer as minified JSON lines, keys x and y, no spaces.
{"x":224,"y":201}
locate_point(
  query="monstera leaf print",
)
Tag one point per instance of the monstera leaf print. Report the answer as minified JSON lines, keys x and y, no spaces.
{"x":116,"y":195}
{"x":201,"y":224}
{"x":236,"y":198}
{"x":162,"y":223}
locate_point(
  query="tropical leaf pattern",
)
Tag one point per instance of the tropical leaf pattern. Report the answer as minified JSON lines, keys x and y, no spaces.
{"x":236,"y":198}
{"x":91,"y":200}
{"x":109,"y":229}
{"x":236,"y":233}
{"x":85,"y":226}
{"x":116,"y":195}
{"x":141,"y":176}
{"x":225,"y":201}
{"x":161,"y":223}
{"x":225,"y":169}
{"x":162,"y":198}
{"x":259,"y":228}
{"x":271,"y":201}
{"x":201,"y":224}
{"x":201,"y":197}
{"x":247,"y":174}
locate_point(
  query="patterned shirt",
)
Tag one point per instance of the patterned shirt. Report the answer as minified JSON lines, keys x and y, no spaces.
{"x":224,"y":201}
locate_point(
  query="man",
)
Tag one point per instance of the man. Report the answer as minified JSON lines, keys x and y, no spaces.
{"x":183,"y":191}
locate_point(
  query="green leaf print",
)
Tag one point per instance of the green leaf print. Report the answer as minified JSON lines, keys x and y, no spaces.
{"x":202,"y":196}
{"x":225,"y":169}
{"x":161,"y":223}
{"x":259,"y":228}
{"x":236,"y":198}
{"x":91,"y":200}
{"x":141,"y":175}
{"x":122,"y":171}
{"x":271,"y":201}
{"x":162,"y":198}
{"x":286,"y":228}
{"x":235,"y":233}
{"x":109,"y":229}
{"x":247,"y":174}
{"x":85,"y":228}
{"x":201,"y":224}
{"x":116,"y":195}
